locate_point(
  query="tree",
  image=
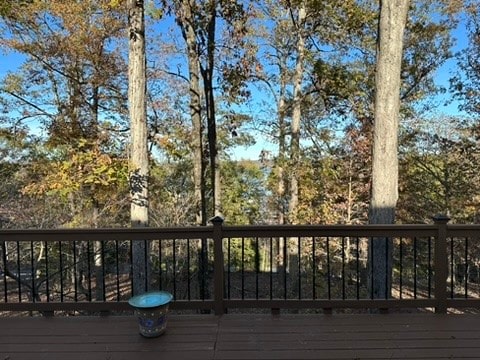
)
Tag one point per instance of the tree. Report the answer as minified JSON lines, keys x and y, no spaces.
{"x":138,"y":176}
{"x":185,"y":18}
{"x":73,"y":89}
{"x":70,"y":88}
{"x":384,"y":191}
{"x":466,"y":83}
{"x":71,"y":81}
{"x":297,"y":110}
{"x":212,"y":59}
{"x":243,"y":184}
{"x":439,"y":174}
{"x":273,"y":78}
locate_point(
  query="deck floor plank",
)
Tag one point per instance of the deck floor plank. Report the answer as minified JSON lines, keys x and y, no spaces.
{"x":251,"y":336}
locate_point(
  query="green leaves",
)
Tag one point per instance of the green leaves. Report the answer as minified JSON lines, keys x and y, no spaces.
{"x":439,"y":171}
{"x":243,"y":189}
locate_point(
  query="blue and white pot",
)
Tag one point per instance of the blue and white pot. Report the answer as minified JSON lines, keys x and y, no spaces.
{"x":151,"y":310}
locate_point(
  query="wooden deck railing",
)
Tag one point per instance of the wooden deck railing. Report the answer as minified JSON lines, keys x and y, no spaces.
{"x":220,"y":267}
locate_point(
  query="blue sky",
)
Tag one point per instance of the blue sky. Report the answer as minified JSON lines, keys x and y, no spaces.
{"x":447,"y":70}
{"x":10,"y":61}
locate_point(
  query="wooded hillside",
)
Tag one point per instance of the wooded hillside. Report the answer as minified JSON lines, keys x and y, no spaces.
{"x":299,"y":75}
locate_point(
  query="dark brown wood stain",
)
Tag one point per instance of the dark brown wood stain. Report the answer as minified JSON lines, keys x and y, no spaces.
{"x":250,"y":336}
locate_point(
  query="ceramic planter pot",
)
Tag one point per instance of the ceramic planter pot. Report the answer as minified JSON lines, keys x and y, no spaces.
{"x":151,"y":310}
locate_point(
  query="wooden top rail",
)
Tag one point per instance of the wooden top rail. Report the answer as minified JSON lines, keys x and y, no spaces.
{"x":226,"y":232}
{"x":106,"y":234}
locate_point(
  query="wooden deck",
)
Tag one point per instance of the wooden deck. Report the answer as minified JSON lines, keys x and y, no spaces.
{"x":369,"y":336}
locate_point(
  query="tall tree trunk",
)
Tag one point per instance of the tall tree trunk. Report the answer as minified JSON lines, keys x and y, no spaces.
{"x":384,"y":193}
{"x":297,"y":114}
{"x":211,"y":130}
{"x":185,"y":18}
{"x":281,"y":142}
{"x":295,"y":140}
{"x":207,"y":73}
{"x":281,"y":162}
{"x":138,"y":176}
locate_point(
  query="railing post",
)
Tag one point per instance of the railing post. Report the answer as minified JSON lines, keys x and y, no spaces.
{"x":218,"y":265}
{"x":441,"y":263}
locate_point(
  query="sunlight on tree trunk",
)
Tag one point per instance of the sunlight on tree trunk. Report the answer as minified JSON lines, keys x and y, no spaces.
{"x":384,"y":193}
{"x":139,"y":151}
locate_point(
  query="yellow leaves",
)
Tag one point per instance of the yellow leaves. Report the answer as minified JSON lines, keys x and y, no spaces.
{"x":114,"y":4}
{"x":53,"y":179}
{"x":12,"y":83}
{"x":103,"y":174}
{"x":81,"y":168}
{"x":167,"y":144}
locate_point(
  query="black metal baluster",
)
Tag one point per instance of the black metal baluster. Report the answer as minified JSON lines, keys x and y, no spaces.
{"x":387,"y":266}
{"x":117,"y":263}
{"x":452,"y":274}
{"x":466,"y":267}
{"x":75,"y":284}
{"x":357,"y":241}
{"x":189,"y":295}
{"x":146,"y":264}
{"x":429,"y":267}
{"x":160,"y":271}
{"x":32,"y":272}
{"x":299,"y":257}
{"x":130,"y":259}
{"x":102,"y":256}
{"x":414,"y":267}
{"x":229,"y":265}
{"x":343,"y":269}
{"x":271,"y":268}
{"x":285,"y":264}
{"x":257,"y":265}
{"x":4,"y":267}
{"x":60,"y":257}
{"x":314,"y":269}
{"x":89,"y":269}
{"x":19,"y":284}
{"x":174,"y":268}
{"x":372,"y":261}
{"x":329,"y":284}
{"x":401,"y":269}
{"x":243,"y":268}
{"x":47,"y":275}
